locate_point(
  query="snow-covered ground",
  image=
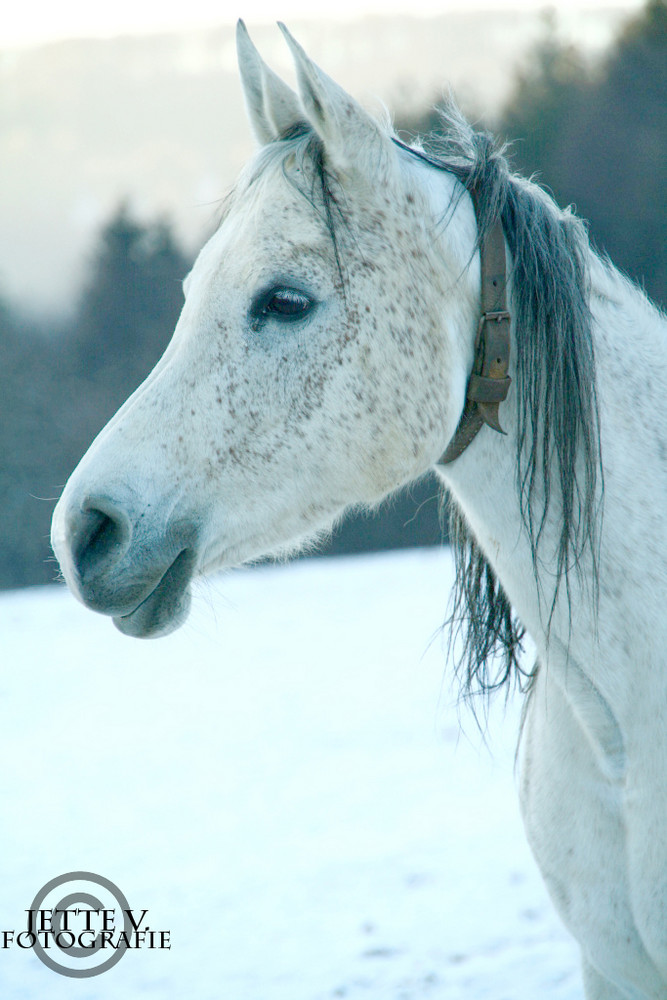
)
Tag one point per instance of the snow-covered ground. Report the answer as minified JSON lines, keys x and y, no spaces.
{"x":283,"y":785}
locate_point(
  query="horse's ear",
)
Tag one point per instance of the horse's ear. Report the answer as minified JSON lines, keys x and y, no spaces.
{"x":352,"y":138}
{"x":273,"y":107}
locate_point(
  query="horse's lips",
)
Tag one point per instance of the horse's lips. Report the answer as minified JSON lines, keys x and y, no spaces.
{"x":166,"y":607}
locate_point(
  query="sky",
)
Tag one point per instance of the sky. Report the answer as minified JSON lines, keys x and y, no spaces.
{"x":38,"y":21}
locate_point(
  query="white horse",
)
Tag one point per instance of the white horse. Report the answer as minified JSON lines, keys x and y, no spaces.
{"x":347,"y":324}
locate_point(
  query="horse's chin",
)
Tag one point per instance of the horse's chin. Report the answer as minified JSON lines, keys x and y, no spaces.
{"x":152,"y":620}
{"x":166,"y":607}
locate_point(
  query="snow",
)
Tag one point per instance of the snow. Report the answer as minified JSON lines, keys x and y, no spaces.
{"x":284,"y":785}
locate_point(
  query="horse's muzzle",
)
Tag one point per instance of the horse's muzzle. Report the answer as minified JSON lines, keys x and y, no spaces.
{"x":123,"y":563}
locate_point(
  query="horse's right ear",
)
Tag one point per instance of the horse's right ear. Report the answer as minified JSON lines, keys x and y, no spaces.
{"x":353,"y":140}
{"x":273,"y":107}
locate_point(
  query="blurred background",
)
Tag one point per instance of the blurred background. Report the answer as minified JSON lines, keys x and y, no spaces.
{"x":120,"y":132}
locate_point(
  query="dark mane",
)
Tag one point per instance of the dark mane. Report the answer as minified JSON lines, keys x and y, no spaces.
{"x":558,"y":460}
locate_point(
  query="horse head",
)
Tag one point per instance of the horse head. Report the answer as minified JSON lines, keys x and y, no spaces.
{"x":320,"y":360}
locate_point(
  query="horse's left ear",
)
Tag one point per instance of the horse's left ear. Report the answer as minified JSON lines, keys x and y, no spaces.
{"x":352,"y":138}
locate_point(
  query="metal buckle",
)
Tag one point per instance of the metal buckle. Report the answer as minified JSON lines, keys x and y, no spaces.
{"x":492,"y":317}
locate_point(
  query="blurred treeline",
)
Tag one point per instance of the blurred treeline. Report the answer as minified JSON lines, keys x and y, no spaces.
{"x":61,"y":382}
{"x":596,"y":135}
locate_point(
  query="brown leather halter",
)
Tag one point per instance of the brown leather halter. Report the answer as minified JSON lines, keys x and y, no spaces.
{"x":489,"y":382}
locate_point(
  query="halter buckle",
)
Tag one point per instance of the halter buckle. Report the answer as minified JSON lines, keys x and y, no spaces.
{"x":489,"y":382}
{"x":497,"y":316}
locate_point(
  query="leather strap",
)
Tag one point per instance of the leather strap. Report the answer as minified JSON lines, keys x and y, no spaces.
{"x":489,"y":382}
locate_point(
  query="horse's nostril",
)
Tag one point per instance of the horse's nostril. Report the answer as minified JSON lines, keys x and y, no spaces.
{"x":104,"y":534}
{"x":100,"y":537}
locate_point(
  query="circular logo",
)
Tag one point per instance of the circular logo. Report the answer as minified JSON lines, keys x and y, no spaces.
{"x":74,"y":933}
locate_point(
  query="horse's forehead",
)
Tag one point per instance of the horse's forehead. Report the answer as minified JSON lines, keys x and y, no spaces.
{"x":270,"y":217}
{"x":278,"y":198}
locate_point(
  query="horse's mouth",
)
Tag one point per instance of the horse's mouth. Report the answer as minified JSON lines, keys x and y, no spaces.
{"x":166,"y":607}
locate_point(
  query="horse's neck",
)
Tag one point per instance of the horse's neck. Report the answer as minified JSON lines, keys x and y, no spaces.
{"x":483,"y":480}
{"x":483,"y":483}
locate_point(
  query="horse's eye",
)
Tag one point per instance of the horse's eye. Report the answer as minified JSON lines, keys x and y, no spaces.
{"x":286,"y":303}
{"x":281,"y":304}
